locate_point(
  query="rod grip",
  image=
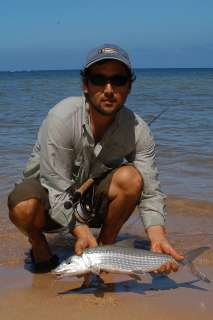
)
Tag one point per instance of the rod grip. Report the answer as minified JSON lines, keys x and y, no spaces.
{"x":88,"y":183}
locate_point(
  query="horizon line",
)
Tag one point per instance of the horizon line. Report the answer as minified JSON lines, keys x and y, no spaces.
{"x":76,"y":69}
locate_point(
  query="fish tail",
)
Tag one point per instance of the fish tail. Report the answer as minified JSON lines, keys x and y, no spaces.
{"x":190,"y":256}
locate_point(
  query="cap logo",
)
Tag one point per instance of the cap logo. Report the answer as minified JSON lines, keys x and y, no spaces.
{"x":108,"y":50}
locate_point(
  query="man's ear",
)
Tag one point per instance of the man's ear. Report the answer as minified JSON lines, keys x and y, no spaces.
{"x":85,"y":86}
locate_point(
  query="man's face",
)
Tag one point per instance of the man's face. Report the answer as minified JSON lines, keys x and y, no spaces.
{"x":106,"y":89}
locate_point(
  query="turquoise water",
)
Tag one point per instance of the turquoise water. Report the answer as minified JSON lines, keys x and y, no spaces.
{"x":183,"y":132}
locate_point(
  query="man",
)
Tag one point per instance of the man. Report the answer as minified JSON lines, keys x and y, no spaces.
{"x":93,"y":137}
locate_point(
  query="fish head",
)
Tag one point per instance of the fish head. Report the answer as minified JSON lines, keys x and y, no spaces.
{"x":73,"y":266}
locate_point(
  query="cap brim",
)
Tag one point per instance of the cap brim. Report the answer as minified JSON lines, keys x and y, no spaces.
{"x":108,"y":57}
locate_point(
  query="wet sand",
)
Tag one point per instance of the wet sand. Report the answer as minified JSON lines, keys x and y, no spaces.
{"x":26,"y":295}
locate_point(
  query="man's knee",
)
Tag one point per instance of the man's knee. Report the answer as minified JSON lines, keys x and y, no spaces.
{"x":128,"y":179}
{"x":24,"y":211}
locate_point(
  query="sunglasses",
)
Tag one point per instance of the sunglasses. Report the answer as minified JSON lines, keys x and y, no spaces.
{"x":118,"y":80}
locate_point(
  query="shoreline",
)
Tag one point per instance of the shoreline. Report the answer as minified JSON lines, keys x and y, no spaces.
{"x":14,"y":246}
{"x":26,"y":295}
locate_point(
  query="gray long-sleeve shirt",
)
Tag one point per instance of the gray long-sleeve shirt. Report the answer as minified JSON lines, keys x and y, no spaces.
{"x":65,"y":154}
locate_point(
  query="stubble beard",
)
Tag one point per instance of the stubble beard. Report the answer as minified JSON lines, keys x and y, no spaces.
{"x":101,"y":110}
{"x":105,"y":112}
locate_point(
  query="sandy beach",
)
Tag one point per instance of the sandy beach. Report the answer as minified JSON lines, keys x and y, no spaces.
{"x":26,"y":295}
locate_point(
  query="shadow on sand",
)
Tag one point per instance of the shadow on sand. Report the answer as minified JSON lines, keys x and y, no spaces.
{"x":158,"y":283}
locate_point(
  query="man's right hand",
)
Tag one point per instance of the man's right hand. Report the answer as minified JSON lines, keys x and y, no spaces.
{"x":84,"y":238}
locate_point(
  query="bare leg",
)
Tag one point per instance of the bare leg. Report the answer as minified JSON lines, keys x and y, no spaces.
{"x":29,"y":217}
{"x":124,"y":193}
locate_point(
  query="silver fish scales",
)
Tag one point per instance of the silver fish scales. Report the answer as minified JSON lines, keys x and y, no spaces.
{"x":131,"y":261}
{"x":124,"y":260}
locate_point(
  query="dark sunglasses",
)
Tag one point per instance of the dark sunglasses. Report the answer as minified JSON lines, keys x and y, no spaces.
{"x":118,"y":80}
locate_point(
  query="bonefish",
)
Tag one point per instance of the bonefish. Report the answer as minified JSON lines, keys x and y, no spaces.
{"x":119,"y":259}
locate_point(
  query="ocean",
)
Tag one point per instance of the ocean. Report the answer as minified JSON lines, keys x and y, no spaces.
{"x":177,"y":102}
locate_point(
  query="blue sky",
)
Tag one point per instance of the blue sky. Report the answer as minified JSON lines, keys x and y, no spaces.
{"x":44,"y":34}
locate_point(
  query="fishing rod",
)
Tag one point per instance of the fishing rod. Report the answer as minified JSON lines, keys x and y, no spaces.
{"x":158,"y":115}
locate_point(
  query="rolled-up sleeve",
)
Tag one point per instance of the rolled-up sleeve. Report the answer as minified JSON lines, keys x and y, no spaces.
{"x":152,"y":203}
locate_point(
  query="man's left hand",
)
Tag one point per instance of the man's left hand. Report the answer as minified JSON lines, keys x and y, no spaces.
{"x":159,"y":243}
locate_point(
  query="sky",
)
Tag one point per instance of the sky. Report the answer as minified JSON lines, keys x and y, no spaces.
{"x":52,"y":35}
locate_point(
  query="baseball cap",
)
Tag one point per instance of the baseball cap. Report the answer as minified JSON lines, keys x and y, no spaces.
{"x":107,"y":51}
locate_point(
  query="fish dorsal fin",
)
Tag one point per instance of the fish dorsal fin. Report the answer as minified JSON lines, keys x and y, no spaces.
{"x":138,"y":272}
{"x":127,"y":243}
{"x":135,"y":276}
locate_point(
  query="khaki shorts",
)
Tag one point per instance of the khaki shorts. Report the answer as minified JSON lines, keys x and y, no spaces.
{"x":32,"y":188}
